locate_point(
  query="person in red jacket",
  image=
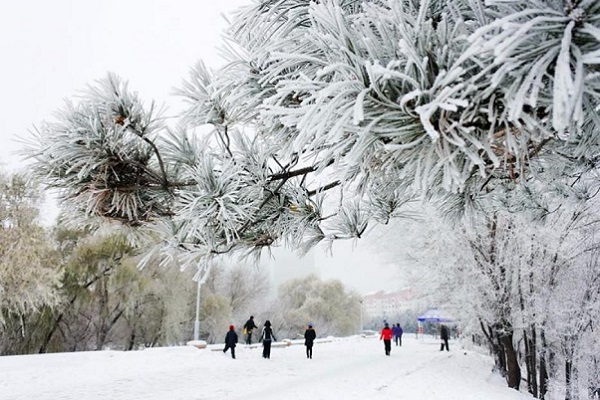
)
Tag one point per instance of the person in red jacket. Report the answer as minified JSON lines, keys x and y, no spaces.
{"x":386,"y":335}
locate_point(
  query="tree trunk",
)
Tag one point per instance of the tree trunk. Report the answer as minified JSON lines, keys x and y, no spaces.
{"x":533,"y":360}
{"x":495,"y":347}
{"x":50,"y":334}
{"x":48,"y":338}
{"x":102,"y":313}
{"x":568,"y":379}
{"x":543,"y":377}
{"x":543,"y":368}
{"x":131,"y":341}
{"x":513,"y":371}
{"x":501,"y":358}
{"x":528,"y":362}
{"x":132,"y":335}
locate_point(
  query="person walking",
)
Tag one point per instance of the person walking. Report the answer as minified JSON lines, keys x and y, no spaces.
{"x":444,"y":335}
{"x":386,"y":335}
{"x":397,"y":331}
{"x":267,"y":337}
{"x":248,"y":327}
{"x":230,"y":341}
{"x":309,"y":338}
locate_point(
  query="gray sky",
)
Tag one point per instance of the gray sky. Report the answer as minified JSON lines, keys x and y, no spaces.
{"x":53,"y":49}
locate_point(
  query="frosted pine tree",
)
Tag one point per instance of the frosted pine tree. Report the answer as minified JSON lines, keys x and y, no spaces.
{"x":368,"y":104}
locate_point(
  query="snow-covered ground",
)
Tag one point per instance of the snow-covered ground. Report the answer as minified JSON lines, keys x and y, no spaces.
{"x":343,"y":369}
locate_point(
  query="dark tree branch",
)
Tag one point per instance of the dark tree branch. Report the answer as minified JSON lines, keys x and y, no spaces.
{"x":225,"y":141}
{"x":290,"y":174}
{"x":298,"y":172}
{"x":324,"y":188}
{"x":158,"y":156}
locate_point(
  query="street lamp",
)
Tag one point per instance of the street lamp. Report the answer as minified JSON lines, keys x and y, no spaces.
{"x":362,"y":327}
{"x":201,"y":276}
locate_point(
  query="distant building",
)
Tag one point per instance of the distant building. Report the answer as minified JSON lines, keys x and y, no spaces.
{"x":383,"y":305}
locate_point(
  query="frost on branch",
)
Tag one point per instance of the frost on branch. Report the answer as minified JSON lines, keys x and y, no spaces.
{"x":365,"y":104}
{"x":101,"y":155}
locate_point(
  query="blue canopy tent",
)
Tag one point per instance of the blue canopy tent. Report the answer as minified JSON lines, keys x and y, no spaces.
{"x":433,"y":315}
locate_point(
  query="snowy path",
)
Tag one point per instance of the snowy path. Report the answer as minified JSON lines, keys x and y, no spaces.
{"x":350,"y":368}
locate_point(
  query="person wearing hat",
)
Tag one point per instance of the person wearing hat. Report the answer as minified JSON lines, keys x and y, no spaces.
{"x":230,"y":340}
{"x":267,"y":337}
{"x":386,"y":335}
{"x":309,"y":338}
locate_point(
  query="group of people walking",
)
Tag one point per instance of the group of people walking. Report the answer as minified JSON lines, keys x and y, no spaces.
{"x":395,"y":332}
{"x":267,"y":337}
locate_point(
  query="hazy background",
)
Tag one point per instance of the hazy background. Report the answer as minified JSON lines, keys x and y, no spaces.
{"x":50,"y":50}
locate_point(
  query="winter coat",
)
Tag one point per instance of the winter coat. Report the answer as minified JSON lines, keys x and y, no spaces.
{"x":267,"y":333}
{"x":386,"y":334}
{"x":444,"y":334}
{"x":397,"y":330}
{"x":309,"y":337}
{"x":249,"y":325}
{"x":231,"y":338}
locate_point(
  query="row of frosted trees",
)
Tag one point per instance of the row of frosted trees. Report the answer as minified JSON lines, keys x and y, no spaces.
{"x":538,"y":290}
{"x":530,"y":289}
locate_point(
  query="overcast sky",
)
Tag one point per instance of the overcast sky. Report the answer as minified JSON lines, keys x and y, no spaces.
{"x":50,"y":50}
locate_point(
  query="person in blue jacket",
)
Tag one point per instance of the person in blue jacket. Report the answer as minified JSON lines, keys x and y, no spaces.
{"x":397,"y":330}
{"x":230,"y":341}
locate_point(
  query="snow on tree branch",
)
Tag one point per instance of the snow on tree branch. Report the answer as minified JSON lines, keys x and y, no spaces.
{"x":373,"y":102}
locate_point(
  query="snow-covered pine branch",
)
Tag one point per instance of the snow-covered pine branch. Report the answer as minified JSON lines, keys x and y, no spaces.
{"x":457,"y":100}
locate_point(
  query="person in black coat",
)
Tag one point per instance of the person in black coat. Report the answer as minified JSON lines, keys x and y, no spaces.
{"x":230,"y":340}
{"x":309,"y":338}
{"x":248,"y":326}
{"x":444,"y":335}
{"x":267,"y":337}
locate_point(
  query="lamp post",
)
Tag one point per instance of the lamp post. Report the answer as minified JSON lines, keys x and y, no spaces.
{"x":197,"y":321}
{"x":362,"y":327}
{"x":201,"y":277}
